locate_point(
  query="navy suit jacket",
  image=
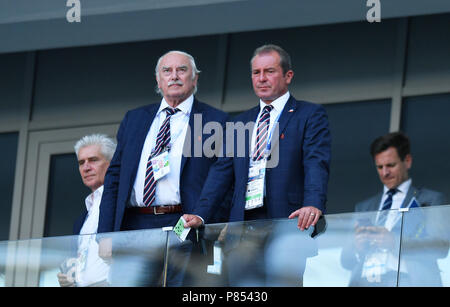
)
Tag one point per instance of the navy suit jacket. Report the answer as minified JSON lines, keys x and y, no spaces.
{"x":79,"y":222}
{"x":122,"y":171}
{"x":299,"y":179}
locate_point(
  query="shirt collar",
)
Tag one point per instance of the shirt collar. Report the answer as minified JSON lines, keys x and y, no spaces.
{"x":185,"y":107}
{"x":89,"y":201}
{"x":278,"y":104}
{"x":403,"y":187}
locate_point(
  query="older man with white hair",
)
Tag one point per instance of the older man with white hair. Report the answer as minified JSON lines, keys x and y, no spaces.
{"x":94,"y":153}
{"x":151,"y":182}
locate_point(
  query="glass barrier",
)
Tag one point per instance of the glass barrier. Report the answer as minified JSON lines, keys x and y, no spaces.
{"x":388,"y":248}
{"x":425,"y":259}
{"x":3,"y":259}
{"x":343,"y":250}
{"x":357,"y":250}
{"x":134,"y":258}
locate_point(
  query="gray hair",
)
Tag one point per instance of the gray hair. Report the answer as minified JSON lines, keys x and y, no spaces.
{"x":285,"y":59}
{"x":107,"y":145}
{"x":195,"y":71}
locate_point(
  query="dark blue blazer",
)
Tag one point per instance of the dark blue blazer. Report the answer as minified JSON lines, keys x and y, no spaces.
{"x":79,"y":222}
{"x":122,"y":171}
{"x":299,"y":179}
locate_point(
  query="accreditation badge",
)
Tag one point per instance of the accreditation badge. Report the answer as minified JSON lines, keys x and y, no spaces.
{"x":254,"y":197}
{"x":161,"y":165}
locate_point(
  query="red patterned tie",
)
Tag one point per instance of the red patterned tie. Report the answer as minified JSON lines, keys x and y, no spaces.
{"x":162,"y":141}
{"x":262,"y":132}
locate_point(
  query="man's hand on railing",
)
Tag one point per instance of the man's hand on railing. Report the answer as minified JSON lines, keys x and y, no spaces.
{"x":307,"y":216}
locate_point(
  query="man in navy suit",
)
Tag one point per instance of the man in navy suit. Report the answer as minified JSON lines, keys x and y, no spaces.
{"x":157,"y":172}
{"x":295,"y":186}
{"x":393,"y":160}
{"x":279,"y":168}
{"x":140,"y":191}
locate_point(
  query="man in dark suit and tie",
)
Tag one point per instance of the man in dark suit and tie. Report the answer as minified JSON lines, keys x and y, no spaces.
{"x":279,"y":168}
{"x":156,"y":173}
{"x":393,"y":160}
{"x":151,"y":182}
{"x":295,"y":186}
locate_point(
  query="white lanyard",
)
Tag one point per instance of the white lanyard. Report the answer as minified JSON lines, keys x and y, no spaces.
{"x":269,"y":139}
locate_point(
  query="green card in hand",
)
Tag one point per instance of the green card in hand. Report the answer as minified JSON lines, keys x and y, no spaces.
{"x":179,"y":229}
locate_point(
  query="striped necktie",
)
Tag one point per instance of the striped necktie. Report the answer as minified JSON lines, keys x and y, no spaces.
{"x":162,"y":141}
{"x":388,"y":202}
{"x":262,"y":132}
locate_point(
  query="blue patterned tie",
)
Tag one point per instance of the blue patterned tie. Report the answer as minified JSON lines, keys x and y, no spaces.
{"x":162,"y":141}
{"x":388,"y":202}
{"x":262,"y":132}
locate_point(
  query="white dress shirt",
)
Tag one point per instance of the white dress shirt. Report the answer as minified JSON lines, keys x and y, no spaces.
{"x":397,"y":201}
{"x":93,"y":208}
{"x":278,"y":106}
{"x":392,"y":218}
{"x":398,"y":197}
{"x":167,"y":187}
{"x":93,"y":269}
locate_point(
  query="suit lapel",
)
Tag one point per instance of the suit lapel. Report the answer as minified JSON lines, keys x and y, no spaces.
{"x":147,"y":122}
{"x":374,"y":205}
{"x":80,"y":222}
{"x":191,"y":129}
{"x":412,"y":192}
{"x":251,"y":117}
{"x":142,"y":128}
{"x":288,"y":111}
